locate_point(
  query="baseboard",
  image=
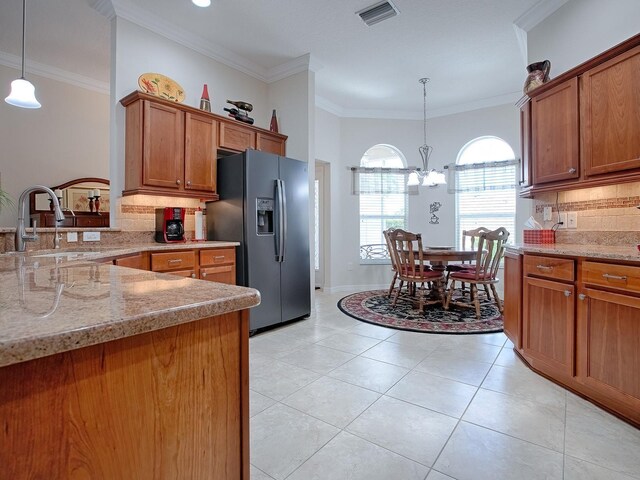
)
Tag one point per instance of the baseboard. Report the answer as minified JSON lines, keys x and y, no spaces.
{"x":354,"y":288}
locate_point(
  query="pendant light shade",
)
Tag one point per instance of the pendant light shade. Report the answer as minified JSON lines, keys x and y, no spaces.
{"x":201,"y":3}
{"x":23,"y":93}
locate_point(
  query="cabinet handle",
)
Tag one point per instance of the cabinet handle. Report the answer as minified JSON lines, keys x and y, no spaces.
{"x":175,"y":261}
{"x":614,"y":277}
{"x":178,"y":182}
{"x":188,"y":183}
{"x":582,"y":296}
{"x":544,"y":267}
{"x":567,"y":293}
{"x":218,"y":258}
{"x":193,"y":275}
{"x":204,"y":274}
{"x":572,"y":170}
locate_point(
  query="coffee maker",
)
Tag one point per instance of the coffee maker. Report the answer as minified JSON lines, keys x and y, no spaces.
{"x":170,"y":224}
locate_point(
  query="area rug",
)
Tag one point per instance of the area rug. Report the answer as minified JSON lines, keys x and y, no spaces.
{"x":373,"y":306}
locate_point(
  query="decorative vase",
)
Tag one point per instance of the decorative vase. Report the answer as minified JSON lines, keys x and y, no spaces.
{"x":273,"y":126}
{"x":205,"y":104}
{"x":538,"y":74}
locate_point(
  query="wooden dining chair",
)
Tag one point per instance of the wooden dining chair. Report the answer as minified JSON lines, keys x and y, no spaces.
{"x":490,"y":250}
{"x":421,"y":281}
{"x":385,"y":234}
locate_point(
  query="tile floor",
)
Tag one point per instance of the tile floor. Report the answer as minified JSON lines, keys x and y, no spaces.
{"x":333,"y":398}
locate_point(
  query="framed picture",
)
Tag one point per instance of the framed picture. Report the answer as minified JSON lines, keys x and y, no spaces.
{"x":77,"y":199}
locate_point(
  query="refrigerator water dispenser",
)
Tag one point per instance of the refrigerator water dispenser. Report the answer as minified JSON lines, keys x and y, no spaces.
{"x":264,"y":216}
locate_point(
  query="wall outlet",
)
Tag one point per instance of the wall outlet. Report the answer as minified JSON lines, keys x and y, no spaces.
{"x":349,"y":266}
{"x":572,"y":220}
{"x":90,"y":236}
{"x":546,"y":214}
{"x":563,"y":220}
{"x":72,"y":236}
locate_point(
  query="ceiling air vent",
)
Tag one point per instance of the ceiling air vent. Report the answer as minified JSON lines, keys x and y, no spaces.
{"x":378,"y":12}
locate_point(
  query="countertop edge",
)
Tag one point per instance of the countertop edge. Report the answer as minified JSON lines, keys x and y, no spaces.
{"x":622,"y":253}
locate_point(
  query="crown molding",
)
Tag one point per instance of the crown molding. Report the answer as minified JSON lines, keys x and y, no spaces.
{"x":304,"y":63}
{"x":103,"y":7}
{"x":47,"y":71}
{"x":529,"y":19}
{"x":507,"y":99}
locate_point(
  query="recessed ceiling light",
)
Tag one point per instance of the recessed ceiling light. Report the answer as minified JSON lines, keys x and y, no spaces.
{"x":201,"y":3}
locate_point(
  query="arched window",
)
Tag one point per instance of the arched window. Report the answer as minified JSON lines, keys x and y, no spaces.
{"x":383,"y":200}
{"x":485,"y":190}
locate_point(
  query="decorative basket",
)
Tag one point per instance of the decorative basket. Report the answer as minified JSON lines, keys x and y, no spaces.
{"x":539,"y":236}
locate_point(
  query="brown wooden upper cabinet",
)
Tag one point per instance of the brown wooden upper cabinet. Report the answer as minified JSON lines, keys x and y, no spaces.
{"x":171,"y":148}
{"x":555,"y":134}
{"x":610,"y":115}
{"x":584,"y":124}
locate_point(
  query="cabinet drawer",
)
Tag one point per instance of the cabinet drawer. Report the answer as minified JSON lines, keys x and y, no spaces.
{"x":623,"y":277}
{"x":549,"y":267}
{"x":165,"y":261}
{"x":217,"y":256}
{"x":222,"y":274}
{"x":233,"y":137}
{"x":97,"y":221}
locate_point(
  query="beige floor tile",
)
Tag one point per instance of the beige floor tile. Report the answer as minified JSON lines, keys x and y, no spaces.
{"x":436,"y":393}
{"x":274,"y":344}
{"x":282,"y":438}
{"x":373,"y":331}
{"x":349,"y":342}
{"x":257,"y":474}
{"x":406,"y":356}
{"x":348,"y":457}
{"x":411,"y":431}
{"x":521,"y":418}
{"x":507,"y":357}
{"x":522,"y":382}
{"x":575,"y":469}
{"x":598,"y":437}
{"x":258,"y":402}
{"x":310,"y":332}
{"x":415,"y":339}
{"x":476,"y":453}
{"x":458,"y":369}
{"x":317,"y":358}
{"x":369,"y":373}
{"x":333,"y":401}
{"x":435,"y":475}
{"x":473,"y":352}
{"x":278,"y":380}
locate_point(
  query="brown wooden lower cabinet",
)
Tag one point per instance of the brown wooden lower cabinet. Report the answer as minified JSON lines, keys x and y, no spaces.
{"x":548,"y":323}
{"x":608,"y":349}
{"x":137,"y":260}
{"x":512,"y":314}
{"x":161,"y":405}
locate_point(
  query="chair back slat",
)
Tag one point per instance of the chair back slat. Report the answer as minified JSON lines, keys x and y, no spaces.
{"x":407,"y":249}
{"x":490,"y":252}
{"x":390,"y":247}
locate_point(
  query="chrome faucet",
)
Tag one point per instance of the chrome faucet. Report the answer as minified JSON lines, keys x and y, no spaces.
{"x":21,"y":234}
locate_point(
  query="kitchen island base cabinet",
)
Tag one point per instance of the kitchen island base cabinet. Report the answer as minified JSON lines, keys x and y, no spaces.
{"x":168,"y":404}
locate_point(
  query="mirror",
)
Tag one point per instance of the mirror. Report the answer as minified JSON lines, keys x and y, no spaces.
{"x":84,"y":201}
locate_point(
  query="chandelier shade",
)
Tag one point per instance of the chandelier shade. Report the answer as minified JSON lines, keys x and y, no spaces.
{"x":23,"y":93}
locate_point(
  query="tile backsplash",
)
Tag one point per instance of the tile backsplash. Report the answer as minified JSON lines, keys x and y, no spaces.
{"x":137,"y":212}
{"x":601,"y":209}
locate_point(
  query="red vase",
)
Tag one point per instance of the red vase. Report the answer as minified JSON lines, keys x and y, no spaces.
{"x":205,"y":104}
{"x":273,"y":126}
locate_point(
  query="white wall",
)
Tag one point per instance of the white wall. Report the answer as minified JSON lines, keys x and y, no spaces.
{"x":447,"y":135}
{"x":580,"y":30}
{"x":65,"y":139}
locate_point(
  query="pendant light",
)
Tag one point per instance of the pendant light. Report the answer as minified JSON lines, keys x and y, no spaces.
{"x":426,"y":177}
{"x":22,"y":91}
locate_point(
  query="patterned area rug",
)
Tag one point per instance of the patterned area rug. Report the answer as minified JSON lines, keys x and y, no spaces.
{"x":373,"y":306}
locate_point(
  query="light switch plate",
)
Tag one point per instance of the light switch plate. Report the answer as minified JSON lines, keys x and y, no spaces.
{"x":563,"y":220}
{"x":547,"y":214}
{"x":90,"y":236}
{"x":572,"y":220}
{"x":72,"y":237}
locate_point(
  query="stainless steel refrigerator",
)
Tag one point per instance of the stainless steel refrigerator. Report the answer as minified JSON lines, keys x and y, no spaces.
{"x":264,"y":205}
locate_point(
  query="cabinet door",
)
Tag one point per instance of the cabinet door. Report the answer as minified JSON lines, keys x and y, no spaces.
{"x":138,"y":260}
{"x":548,"y":323}
{"x":610,"y":115}
{"x":525,"y":144}
{"x":608,"y":347}
{"x":163,"y":150}
{"x":223,"y":274}
{"x":270,"y":143}
{"x":201,"y":134}
{"x":554,"y":133}
{"x":236,"y":138}
{"x":512,"y":314}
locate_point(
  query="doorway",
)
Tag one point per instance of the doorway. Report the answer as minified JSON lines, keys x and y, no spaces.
{"x":320,"y":186}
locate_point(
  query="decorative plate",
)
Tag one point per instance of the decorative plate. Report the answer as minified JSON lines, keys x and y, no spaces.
{"x":440,"y":248}
{"x":161,"y":86}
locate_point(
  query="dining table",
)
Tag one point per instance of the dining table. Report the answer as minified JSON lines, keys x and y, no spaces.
{"x":439,"y":257}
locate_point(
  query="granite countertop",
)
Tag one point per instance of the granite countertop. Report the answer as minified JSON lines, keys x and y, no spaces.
{"x":626,"y":253}
{"x":52,"y":304}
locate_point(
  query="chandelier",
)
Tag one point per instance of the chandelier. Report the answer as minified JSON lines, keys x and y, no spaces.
{"x":424,"y":176}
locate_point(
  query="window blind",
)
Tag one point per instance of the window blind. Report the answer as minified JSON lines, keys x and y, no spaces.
{"x":483,"y":176}
{"x":365,"y":180}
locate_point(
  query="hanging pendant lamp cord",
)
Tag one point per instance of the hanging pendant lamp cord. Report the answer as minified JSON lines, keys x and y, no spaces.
{"x":24,"y":27}
{"x":425,"y":150}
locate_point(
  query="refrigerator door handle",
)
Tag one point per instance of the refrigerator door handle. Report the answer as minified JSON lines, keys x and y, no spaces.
{"x":279,"y":237}
{"x":283,"y":240}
